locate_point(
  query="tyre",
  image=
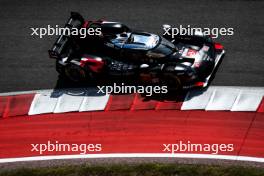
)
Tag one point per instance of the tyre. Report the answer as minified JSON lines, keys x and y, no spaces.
{"x":170,"y":79}
{"x":75,"y":73}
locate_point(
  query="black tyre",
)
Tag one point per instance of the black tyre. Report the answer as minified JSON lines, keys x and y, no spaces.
{"x":75,"y":73}
{"x":170,"y":79}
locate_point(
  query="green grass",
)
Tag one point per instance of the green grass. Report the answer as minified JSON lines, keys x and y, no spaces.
{"x":138,"y":170}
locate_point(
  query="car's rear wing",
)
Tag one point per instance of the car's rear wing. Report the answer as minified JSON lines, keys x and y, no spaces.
{"x":61,"y":44}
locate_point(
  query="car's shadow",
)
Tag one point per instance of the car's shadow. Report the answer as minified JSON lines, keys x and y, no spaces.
{"x":65,"y":86}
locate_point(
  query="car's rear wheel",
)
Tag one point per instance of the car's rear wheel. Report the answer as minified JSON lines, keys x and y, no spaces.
{"x":75,"y":73}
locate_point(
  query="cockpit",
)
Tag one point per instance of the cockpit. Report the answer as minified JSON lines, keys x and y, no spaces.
{"x":141,"y":41}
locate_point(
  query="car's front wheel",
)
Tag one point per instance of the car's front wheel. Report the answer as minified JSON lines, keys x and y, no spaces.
{"x":171,"y":81}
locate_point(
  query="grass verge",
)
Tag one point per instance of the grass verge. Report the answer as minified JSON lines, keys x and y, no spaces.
{"x":138,"y":170}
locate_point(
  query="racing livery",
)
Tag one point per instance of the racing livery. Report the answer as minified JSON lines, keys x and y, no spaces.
{"x":179,"y":62}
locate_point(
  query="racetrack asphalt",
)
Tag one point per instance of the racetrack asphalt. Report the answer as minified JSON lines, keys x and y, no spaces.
{"x":24,"y":62}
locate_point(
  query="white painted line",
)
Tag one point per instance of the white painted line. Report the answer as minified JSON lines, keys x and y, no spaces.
{"x":222,"y":99}
{"x":42,"y":103}
{"x":197,"y":99}
{"x":135,"y":155}
{"x":94,"y":103}
{"x":247,"y":101}
{"x":68,"y":103}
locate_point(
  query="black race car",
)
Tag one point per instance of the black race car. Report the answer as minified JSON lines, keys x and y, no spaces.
{"x":118,"y":51}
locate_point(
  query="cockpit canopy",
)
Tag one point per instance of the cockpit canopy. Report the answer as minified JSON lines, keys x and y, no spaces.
{"x":141,"y":41}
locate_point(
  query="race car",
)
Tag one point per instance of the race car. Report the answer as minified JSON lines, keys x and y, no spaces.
{"x":184,"y":61}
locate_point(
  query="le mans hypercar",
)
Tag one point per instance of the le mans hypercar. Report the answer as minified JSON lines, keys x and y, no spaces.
{"x":184,"y":61}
